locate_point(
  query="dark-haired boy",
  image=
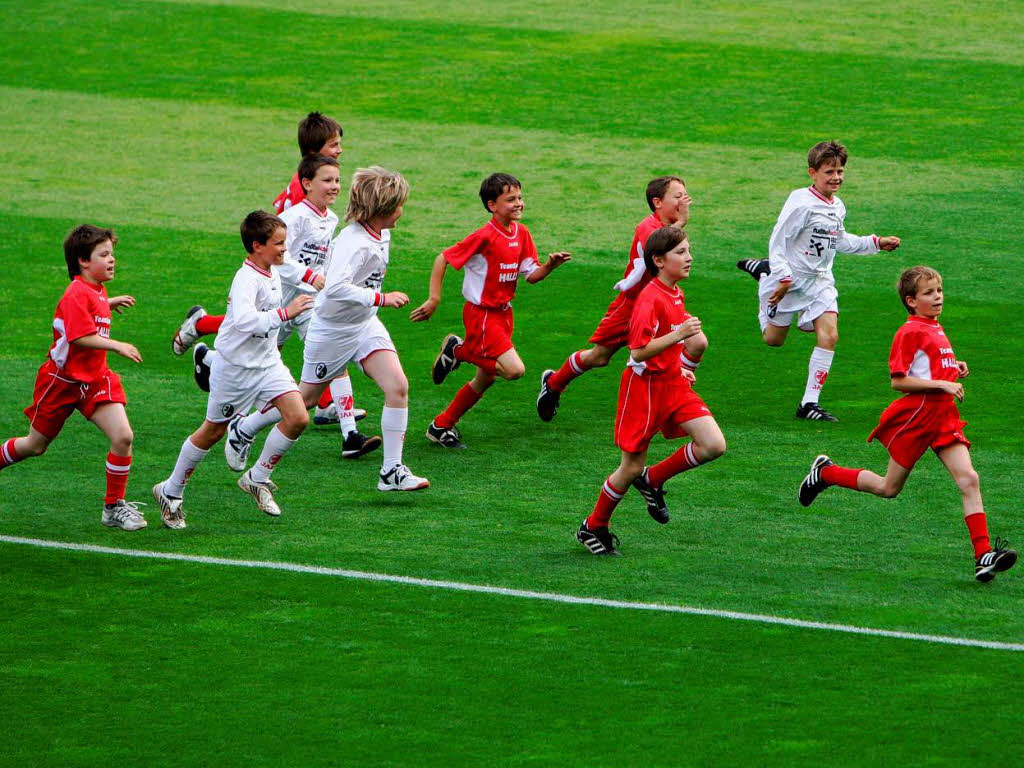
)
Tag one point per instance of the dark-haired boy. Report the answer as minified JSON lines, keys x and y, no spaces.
{"x":75,"y":375}
{"x":670,"y":207}
{"x":796,"y":280}
{"x":492,"y":259}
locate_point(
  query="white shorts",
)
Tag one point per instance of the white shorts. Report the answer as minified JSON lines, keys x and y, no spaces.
{"x":325,"y":360}
{"x":806,"y":304}
{"x":234,"y":389}
{"x":298,"y":326}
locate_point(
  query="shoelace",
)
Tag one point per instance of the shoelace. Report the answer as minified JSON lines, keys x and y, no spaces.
{"x":123,"y":509}
{"x":1001,"y":545}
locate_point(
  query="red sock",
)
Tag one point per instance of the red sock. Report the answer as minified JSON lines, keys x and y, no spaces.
{"x":488,"y":364}
{"x":841,"y":476}
{"x":607,"y":501}
{"x":464,"y":399}
{"x":680,"y":461}
{"x":118,"y":468}
{"x":571,"y":368}
{"x":325,"y":399}
{"x":208,"y":324}
{"x":8,"y":455}
{"x":978,"y":529}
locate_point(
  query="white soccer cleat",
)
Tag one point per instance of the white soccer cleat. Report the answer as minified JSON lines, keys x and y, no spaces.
{"x":187,"y":334}
{"x":170,"y":509}
{"x":262,"y":492}
{"x":124,"y":515}
{"x":399,"y":478}
{"x":237,"y":445}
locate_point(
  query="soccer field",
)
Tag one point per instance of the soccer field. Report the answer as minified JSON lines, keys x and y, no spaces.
{"x":169,"y":121}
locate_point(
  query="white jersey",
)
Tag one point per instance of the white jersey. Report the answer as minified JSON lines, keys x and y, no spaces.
{"x":351,"y":294}
{"x":248,"y":336}
{"x":308,"y":241}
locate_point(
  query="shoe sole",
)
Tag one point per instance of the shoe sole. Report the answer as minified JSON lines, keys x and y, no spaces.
{"x":1001,"y":564}
{"x":383,"y":487}
{"x":276,"y":512}
{"x":174,"y":348}
{"x":156,"y":496}
{"x":435,"y":441}
{"x":371,"y":444}
{"x":115,"y":524}
{"x":437,"y":373}
{"x":543,"y":386}
{"x":202,"y":379}
{"x":818,"y":460}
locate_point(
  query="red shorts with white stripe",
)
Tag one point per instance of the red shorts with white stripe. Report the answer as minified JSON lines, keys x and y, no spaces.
{"x":55,"y":398}
{"x":488,"y":331}
{"x":913,"y":424}
{"x":613,"y":330}
{"x":649,"y":404}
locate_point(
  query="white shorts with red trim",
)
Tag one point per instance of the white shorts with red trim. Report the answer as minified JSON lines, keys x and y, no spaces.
{"x":325,"y":360}
{"x":813,"y":299}
{"x":234,"y":389}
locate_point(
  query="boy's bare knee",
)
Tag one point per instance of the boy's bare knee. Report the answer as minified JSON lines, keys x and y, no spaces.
{"x":399,"y":389}
{"x":121,"y":443}
{"x":773,"y":341}
{"x":890,"y":491}
{"x":513,"y":372}
{"x":968,"y":481}
{"x":714,"y":449}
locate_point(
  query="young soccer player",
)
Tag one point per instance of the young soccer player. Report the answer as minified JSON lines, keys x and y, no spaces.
{"x":247,"y":370}
{"x":318,"y":135}
{"x":75,"y":375}
{"x":655,"y":394}
{"x":345,"y":327}
{"x":796,"y":280}
{"x":670,"y":206}
{"x":494,"y":257}
{"x":924,"y":368}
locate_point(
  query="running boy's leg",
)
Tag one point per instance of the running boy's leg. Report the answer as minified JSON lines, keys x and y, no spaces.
{"x":112,"y":420}
{"x":593,"y":532}
{"x":384,"y":367}
{"x":17,"y":449}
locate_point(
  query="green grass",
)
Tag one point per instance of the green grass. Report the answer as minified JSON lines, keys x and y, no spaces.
{"x":170,"y":121}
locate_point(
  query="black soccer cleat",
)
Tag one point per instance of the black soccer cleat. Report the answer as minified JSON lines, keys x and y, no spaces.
{"x":446,"y":362}
{"x":756,"y":268}
{"x":600,"y":541}
{"x":994,"y":561}
{"x":814,"y":484}
{"x":200,"y":370}
{"x":357,"y":444}
{"x":655,"y":497}
{"x":814,"y":412}
{"x":548,"y":399}
{"x":446,"y":438}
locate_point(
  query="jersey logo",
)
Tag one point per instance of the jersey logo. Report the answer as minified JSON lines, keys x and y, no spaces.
{"x":820,"y":377}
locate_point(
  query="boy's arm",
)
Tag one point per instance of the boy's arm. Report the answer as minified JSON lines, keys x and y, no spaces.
{"x":554,"y":261}
{"x":426,"y":309}
{"x":95,"y":341}
{"x":910,"y":384}
{"x":865,"y":244}
{"x":690,"y":327}
{"x":787,"y":228}
{"x":338,"y":285}
{"x":248,"y":319}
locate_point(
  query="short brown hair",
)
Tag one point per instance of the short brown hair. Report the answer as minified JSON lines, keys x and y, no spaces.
{"x":310,"y":164}
{"x":494,"y":186}
{"x":656,"y":188}
{"x":824,"y":151}
{"x":79,"y":245}
{"x":259,"y":227}
{"x":660,"y":242}
{"x":375,"y":191}
{"x":907,"y":285}
{"x":315,"y":130}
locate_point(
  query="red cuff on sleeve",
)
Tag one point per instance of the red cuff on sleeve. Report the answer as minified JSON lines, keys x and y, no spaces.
{"x":308,"y":277}
{"x":283,"y":314}
{"x":378,"y":299}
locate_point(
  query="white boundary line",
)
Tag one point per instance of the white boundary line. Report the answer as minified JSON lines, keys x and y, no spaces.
{"x":520,"y":593}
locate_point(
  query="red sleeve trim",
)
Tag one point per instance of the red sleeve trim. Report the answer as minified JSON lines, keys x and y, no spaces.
{"x":786,"y":280}
{"x":378,"y":299}
{"x":283,"y":314}
{"x":308,"y":277}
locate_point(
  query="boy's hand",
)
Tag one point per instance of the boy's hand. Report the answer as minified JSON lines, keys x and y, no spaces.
{"x":558,"y":259}
{"x":424,"y":310}
{"x":955,"y":388}
{"x":689,"y":327}
{"x":395,"y":299}
{"x":781,"y":291}
{"x":962,"y":369}
{"x":689,"y":375}
{"x":299,"y":304}
{"x":116,"y":302}
{"x":890,"y":243}
{"x":125,"y":349}
{"x":317,"y":281}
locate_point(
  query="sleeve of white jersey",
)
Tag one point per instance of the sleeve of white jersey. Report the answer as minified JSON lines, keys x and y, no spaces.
{"x":791,"y":221}
{"x":247,"y":318}
{"x":338,"y":285}
{"x":292,"y":271}
{"x":857,"y":244}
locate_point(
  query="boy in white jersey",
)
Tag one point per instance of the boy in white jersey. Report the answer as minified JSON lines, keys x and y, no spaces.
{"x":796,"y":281}
{"x":345,"y":327}
{"x":247,"y":370}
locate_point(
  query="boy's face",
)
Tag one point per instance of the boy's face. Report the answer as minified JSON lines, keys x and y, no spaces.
{"x":927,"y":302}
{"x":333,"y":147}
{"x":674,"y":207}
{"x":100,"y":266}
{"x":828,"y":177}
{"x":272,"y":251}
{"x":509,"y":205}
{"x":323,"y":189}
{"x":675,"y":265}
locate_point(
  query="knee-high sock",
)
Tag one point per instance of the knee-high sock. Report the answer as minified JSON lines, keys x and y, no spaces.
{"x":817,"y":373}
{"x":978,"y":529}
{"x":680,"y":461}
{"x":464,"y":399}
{"x":607,"y":500}
{"x":208,"y":324}
{"x":341,"y":394}
{"x":844,"y":477}
{"x":276,"y":446}
{"x":571,"y":368}
{"x":118,"y":469}
{"x":8,"y":455}
{"x":188,"y":459}
{"x":257,"y":421}
{"x":393,"y":423}
{"x":488,"y":364}
{"x":325,"y":399}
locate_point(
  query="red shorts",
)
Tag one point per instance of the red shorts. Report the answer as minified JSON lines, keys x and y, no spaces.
{"x":912,"y":425}
{"x":649,"y":404}
{"x":613,"y":330}
{"x":56,"y":398}
{"x":488,"y":331}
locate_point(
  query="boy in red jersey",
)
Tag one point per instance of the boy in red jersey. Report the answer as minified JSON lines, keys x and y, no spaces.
{"x":655,"y":394}
{"x":923,"y":367}
{"x":75,"y":375}
{"x":670,"y":206}
{"x":494,"y":257}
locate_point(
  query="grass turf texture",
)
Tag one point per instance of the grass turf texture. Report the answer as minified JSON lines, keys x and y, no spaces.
{"x":168,"y":130}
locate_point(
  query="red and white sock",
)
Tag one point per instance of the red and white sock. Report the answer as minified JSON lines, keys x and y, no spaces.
{"x":844,"y":477}
{"x":341,"y":394}
{"x":817,"y":372}
{"x":682,"y":460}
{"x":488,"y":364}
{"x":276,"y":446}
{"x":189,"y":458}
{"x":978,"y":529}
{"x":118,"y":469}
{"x":607,"y":500}
{"x":571,"y":368}
{"x":464,"y":399}
{"x":8,"y":455}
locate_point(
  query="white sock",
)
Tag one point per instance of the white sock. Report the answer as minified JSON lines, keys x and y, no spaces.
{"x":393,"y":423}
{"x":257,"y":421}
{"x":188,"y":459}
{"x":276,"y":446}
{"x":817,"y":373}
{"x":341,"y":394}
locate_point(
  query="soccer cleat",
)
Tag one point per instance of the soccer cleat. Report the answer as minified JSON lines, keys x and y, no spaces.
{"x":399,"y":478}
{"x":600,"y":541}
{"x":357,"y":444}
{"x":446,"y":438}
{"x":655,"y":497}
{"x":262,"y":492}
{"x":237,"y":445}
{"x":200,"y":368}
{"x":814,"y":412}
{"x":994,"y":561}
{"x":124,"y":515}
{"x":547,"y":400}
{"x":814,"y":483}
{"x":756,"y":268}
{"x":186,"y":335}
{"x":329,"y":415}
{"x":170,"y":509}
{"x":446,"y":362}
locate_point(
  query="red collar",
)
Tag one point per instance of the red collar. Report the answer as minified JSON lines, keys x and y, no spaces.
{"x":919,"y":319}
{"x":820,"y":196}
{"x":673,"y":291}
{"x":378,"y":236}
{"x":258,"y":268}
{"x":322,"y":214}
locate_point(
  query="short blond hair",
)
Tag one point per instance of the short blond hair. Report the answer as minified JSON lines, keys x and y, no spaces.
{"x":375,"y":191}
{"x":909,"y":280}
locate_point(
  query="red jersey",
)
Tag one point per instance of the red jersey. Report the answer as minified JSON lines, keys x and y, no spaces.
{"x":658,"y":310}
{"x":920,"y":349}
{"x":292,"y":195}
{"x":493,"y":258}
{"x":636,"y":255}
{"x":82,"y":311}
